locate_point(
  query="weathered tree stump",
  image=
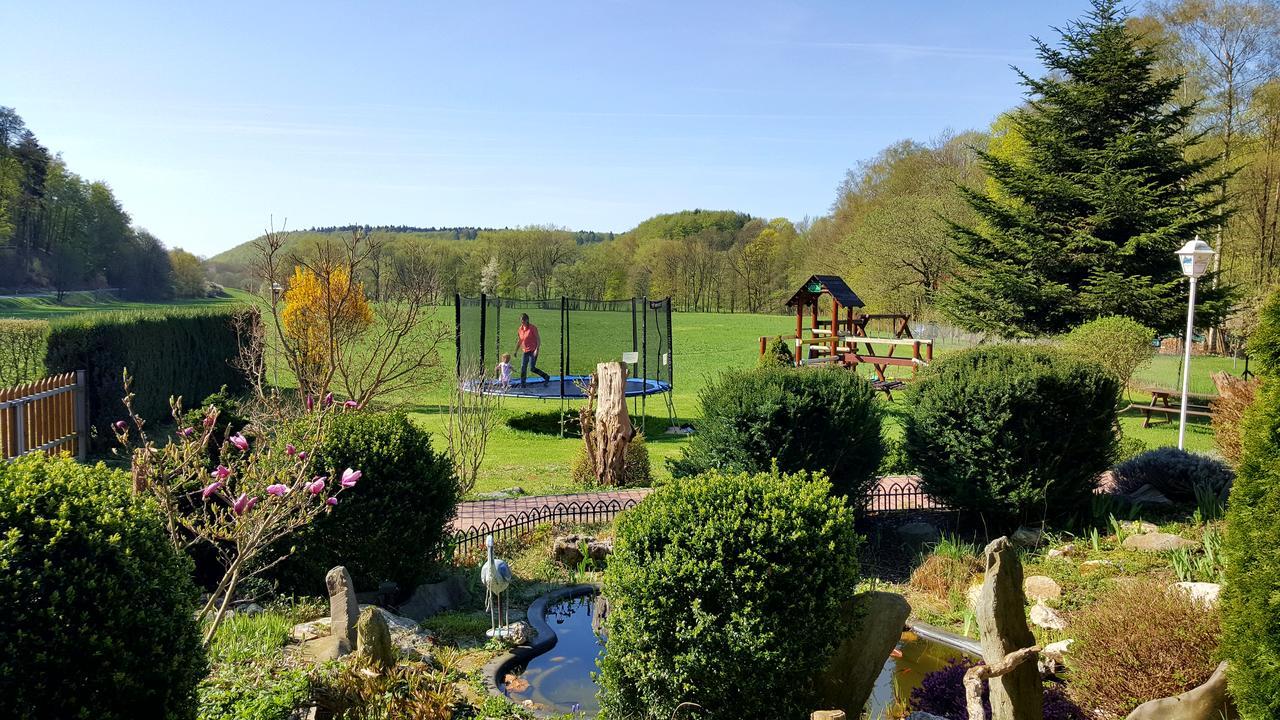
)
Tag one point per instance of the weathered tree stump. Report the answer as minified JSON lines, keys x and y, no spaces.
{"x":607,"y":431}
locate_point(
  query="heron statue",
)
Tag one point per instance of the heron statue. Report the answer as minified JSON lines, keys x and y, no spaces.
{"x":495,"y":574}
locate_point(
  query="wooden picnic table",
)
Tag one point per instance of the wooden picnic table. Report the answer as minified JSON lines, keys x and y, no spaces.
{"x":1197,"y":405}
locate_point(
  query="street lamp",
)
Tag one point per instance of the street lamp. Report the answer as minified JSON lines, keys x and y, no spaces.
{"x":1194,"y":257}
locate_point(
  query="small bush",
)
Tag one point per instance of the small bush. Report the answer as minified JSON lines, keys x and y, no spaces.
{"x":637,"y":472}
{"x":726,"y":591}
{"x":804,"y":419}
{"x":97,"y":603}
{"x":22,"y":347}
{"x":1175,"y":473}
{"x":778,"y":354}
{"x":1235,"y":395}
{"x":1015,"y":433}
{"x":1127,"y":652}
{"x":1119,"y":344}
{"x":942,"y":693}
{"x":941,"y":575}
{"x":395,"y":525}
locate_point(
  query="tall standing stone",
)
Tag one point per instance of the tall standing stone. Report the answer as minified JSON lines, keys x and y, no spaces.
{"x":344,"y":609}
{"x":374,"y":639}
{"x":1002,"y":622}
{"x":858,"y":659}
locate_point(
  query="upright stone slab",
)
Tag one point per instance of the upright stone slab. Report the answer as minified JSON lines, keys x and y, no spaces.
{"x":858,"y":659}
{"x":373,"y":639}
{"x":344,"y":609}
{"x":1016,"y":695}
{"x":1209,"y":701}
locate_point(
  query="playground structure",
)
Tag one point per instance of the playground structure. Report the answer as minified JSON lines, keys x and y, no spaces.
{"x":576,"y":335}
{"x":844,"y":339}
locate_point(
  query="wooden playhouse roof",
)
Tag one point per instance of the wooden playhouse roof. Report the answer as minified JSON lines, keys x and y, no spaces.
{"x":833,"y":285}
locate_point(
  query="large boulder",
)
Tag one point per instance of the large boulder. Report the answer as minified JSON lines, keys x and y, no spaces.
{"x":1157,"y":542}
{"x":858,"y":659}
{"x":1016,"y":695}
{"x":433,"y":598}
{"x":1206,"y":702}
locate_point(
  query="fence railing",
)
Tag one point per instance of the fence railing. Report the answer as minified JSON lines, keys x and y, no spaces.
{"x":47,"y":415}
{"x":903,"y":494}
{"x":587,"y":511}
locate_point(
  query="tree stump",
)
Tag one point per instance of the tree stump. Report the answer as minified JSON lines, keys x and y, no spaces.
{"x":609,"y":431}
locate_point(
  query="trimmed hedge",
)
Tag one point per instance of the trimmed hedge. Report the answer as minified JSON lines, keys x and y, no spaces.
{"x":726,"y":591}
{"x":1250,"y":604}
{"x":97,"y":603}
{"x":394,"y":525}
{"x":804,"y":419}
{"x":22,"y":349}
{"x":185,"y":352}
{"x":1015,"y":433}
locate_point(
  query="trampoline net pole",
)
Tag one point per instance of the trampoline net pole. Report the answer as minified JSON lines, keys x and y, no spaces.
{"x":564,"y":351}
{"x":457,"y":334}
{"x":644,"y":356}
{"x":483,"y":304}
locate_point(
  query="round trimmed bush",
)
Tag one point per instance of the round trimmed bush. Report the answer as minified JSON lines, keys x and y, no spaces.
{"x":1015,"y":433}
{"x":814,"y":419}
{"x":637,"y":471}
{"x":393,"y":525}
{"x":1117,"y":343}
{"x":1250,"y":605}
{"x":1175,"y":473}
{"x":98,"y":605}
{"x":726,"y":591}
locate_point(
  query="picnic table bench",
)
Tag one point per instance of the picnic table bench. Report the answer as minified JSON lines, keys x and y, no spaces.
{"x":1197,"y":405}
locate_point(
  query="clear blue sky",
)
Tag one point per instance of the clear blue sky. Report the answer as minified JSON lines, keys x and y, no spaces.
{"x":209,"y":118}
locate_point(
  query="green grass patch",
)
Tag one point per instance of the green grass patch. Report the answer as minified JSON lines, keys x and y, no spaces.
{"x":244,"y":637}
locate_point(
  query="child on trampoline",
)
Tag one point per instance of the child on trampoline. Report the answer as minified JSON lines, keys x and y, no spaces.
{"x":504,"y":371}
{"x":528,"y":342}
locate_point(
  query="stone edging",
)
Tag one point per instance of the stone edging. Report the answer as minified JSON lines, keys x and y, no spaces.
{"x":544,"y":640}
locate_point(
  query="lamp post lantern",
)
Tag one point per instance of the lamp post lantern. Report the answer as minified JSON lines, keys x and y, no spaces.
{"x":1194,"y":258}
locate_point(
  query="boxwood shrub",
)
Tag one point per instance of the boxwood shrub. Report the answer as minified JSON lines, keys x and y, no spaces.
{"x":97,"y":603}
{"x":393,"y":526}
{"x":1175,"y":473}
{"x":1014,"y":433}
{"x":725,"y":590}
{"x":809,"y":419}
{"x":1250,"y":604}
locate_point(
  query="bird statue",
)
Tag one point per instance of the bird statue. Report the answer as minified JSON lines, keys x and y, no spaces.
{"x":495,"y":574}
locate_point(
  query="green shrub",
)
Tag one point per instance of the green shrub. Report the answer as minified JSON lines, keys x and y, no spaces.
{"x":1250,"y":606}
{"x":895,"y":460}
{"x":637,"y":472}
{"x":394,"y":524}
{"x":1126,"y":653}
{"x":1175,"y":473}
{"x":22,"y":347}
{"x":1119,"y":344}
{"x":725,"y":591}
{"x":1015,"y":433}
{"x":778,"y":354}
{"x":97,"y":603}
{"x":253,"y":691}
{"x":175,"y":352}
{"x":810,"y":419}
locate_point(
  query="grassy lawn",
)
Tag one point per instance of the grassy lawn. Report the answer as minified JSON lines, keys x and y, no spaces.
{"x":47,"y":307}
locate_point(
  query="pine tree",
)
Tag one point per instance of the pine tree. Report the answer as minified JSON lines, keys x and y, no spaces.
{"x":1083,"y":222}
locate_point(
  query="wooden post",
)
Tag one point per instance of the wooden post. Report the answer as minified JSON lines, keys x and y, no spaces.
{"x":835,"y":327}
{"x":763,"y":344}
{"x":799,"y":331}
{"x":81,"y":400}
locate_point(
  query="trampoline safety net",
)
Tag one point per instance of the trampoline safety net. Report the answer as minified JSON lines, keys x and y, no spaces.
{"x":575,"y":335}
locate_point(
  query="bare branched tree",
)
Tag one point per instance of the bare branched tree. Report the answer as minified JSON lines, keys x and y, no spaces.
{"x":473,"y":414}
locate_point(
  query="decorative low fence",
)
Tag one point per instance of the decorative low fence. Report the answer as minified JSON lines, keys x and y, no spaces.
{"x":901,"y":493}
{"x":48,"y":415}
{"x":575,"y":511}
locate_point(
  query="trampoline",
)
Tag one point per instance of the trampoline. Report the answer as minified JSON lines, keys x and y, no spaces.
{"x":576,"y":336}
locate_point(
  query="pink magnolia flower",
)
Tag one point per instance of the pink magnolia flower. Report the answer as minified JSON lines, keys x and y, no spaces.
{"x":290,"y":450}
{"x":350,"y":477}
{"x":328,"y":399}
{"x":120,"y":425}
{"x":310,"y":402}
{"x":243,"y":504}
{"x":240,"y":442}
{"x":208,"y":418}
{"x":351,"y":404}
{"x":331,"y":501}
{"x":186,"y":432}
{"x":210,"y":489}
{"x":316,"y":486}
{"x":279,"y":490}
{"x":222,"y":472}
{"x":302,"y":455}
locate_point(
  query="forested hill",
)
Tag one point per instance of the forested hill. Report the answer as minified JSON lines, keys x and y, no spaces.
{"x":705,"y":259}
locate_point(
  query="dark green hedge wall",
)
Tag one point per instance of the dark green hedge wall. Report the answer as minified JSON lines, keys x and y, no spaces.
{"x":185,"y":352}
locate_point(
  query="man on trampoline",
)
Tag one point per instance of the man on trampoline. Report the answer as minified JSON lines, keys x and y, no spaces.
{"x":527,"y":342}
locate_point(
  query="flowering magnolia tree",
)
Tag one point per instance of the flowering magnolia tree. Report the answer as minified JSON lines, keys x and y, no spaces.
{"x":259,"y":492}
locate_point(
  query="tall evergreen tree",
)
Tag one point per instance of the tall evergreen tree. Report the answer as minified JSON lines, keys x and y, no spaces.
{"x":1084,"y":221}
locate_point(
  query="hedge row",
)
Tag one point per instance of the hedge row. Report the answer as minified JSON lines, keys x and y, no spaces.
{"x":185,"y":352}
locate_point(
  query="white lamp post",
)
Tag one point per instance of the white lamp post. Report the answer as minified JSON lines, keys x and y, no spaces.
{"x":1194,"y":257}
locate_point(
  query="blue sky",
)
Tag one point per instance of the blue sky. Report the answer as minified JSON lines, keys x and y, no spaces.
{"x":208,"y":119}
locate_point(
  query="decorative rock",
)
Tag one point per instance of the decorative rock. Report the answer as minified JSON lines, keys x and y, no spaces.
{"x":1041,"y":587}
{"x":517,"y":633}
{"x":1147,"y":495}
{"x":373,"y":639}
{"x":1052,"y":658}
{"x":1088,"y":565}
{"x":1206,"y":702}
{"x":1003,"y":628}
{"x":1157,"y":542}
{"x":1140,"y":527}
{"x":917,"y":535}
{"x":567,"y":550}
{"x":311,"y":629}
{"x":1201,"y":593}
{"x":343,"y":610}
{"x":1046,"y":617}
{"x":1027,"y":537}
{"x":433,"y":598}
{"x":1058,"y":649}
{"x":252,"y":608}
{"x":503,"y":494}
{"x":858,"y":659}
{"x":1060,"y":553}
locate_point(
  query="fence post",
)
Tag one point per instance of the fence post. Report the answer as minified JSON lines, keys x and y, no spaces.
{"x":20,"y":410}
{"x":82,"y":416}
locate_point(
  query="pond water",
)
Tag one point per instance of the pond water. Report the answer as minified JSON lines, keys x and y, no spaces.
{"x":560,"y":680}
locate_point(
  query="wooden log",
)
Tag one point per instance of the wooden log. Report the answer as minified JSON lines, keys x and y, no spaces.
{"x":976,"y":675}
{"x":612,"y":425}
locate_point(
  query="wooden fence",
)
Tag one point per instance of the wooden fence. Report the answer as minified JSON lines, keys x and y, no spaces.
{"x":47,"y":415}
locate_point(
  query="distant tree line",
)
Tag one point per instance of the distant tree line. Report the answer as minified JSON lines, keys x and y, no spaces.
{"x":59,"y":232}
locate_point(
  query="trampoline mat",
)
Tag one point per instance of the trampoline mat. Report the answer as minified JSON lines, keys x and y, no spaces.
{"x":574,"y":387}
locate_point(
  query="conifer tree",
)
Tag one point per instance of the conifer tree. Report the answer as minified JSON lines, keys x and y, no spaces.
{"x":1083,"y":222}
